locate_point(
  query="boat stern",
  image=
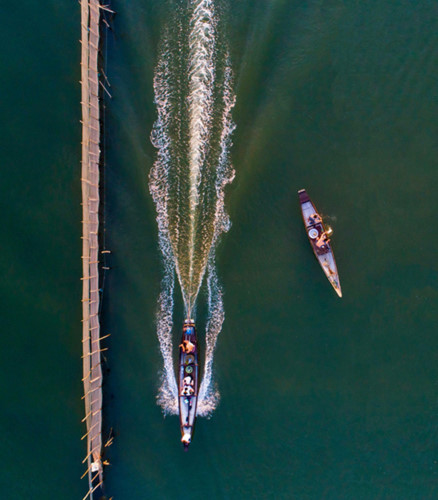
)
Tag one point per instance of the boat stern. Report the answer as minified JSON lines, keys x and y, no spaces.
{"x":189,"y":327}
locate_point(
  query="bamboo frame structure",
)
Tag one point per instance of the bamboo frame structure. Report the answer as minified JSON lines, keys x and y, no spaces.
{"x":92,"y":370}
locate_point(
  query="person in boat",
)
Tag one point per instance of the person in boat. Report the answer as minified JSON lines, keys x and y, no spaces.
{"x":322,"y":240}
{"x":186,"y":438}
{"x":314,"y":219}
{"x":188,"y":391}
{"x":188,"y":384}
{"x":187,"y":346}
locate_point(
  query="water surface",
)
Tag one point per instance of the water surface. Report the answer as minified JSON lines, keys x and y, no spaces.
{"x":320,"y":397}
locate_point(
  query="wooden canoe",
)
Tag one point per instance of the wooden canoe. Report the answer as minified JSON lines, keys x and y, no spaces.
{"x":322,"y":249}
{"x":188,"y":381}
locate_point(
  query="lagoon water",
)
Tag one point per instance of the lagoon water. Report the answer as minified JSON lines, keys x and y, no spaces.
{"x":320,"y":397}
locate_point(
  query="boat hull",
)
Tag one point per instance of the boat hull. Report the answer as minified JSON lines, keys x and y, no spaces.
{"x":188,"y":381}
{"x":314,"y":228}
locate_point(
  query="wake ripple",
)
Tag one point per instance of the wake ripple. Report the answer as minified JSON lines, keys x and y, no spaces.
{"x":192,"y":133}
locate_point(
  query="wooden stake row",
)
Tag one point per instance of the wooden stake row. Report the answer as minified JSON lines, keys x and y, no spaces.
{"x":91,"y":337}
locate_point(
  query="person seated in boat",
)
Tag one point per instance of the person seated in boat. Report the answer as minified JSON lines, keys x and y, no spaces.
{"x":187,"y":346}
{"x":188,"y":391}
{"x":186,"y":438}
{"x":188,"y":380}
{"x":314,"y":219}
{"x":322,"y":240}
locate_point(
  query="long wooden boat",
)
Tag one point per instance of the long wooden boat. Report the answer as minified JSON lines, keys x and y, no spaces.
{"x":319,"y":240}
{"x":188,"y":381}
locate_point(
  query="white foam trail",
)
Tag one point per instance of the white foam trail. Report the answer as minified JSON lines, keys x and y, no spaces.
{"x":167,"y":396}
{"x":201,"y":76}
{"x":208,"y":394}
{"x":166,"y":175}
{"x":159,"y":188}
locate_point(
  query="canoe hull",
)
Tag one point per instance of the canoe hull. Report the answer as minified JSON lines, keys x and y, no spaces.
{"x":314,"y":229}
{"x":188,"y":382}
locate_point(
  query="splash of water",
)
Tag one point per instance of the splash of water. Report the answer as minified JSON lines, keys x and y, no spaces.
{"x":201,"y":76}
{"x":208,"y":396}
{"x":159,"y":188}
{"x":192,"y":133}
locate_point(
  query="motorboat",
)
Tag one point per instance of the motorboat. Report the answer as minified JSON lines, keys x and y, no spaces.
{"x":318,"y":236}
{"x":188,"y":381}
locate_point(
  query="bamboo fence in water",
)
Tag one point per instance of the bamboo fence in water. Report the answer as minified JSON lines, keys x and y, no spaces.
{"x":92,"y":371}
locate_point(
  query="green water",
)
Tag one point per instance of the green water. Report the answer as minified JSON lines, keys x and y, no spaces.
{"x":320,"y":397}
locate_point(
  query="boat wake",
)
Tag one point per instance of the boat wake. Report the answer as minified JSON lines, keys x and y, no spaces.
{"x":192,"y":133}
